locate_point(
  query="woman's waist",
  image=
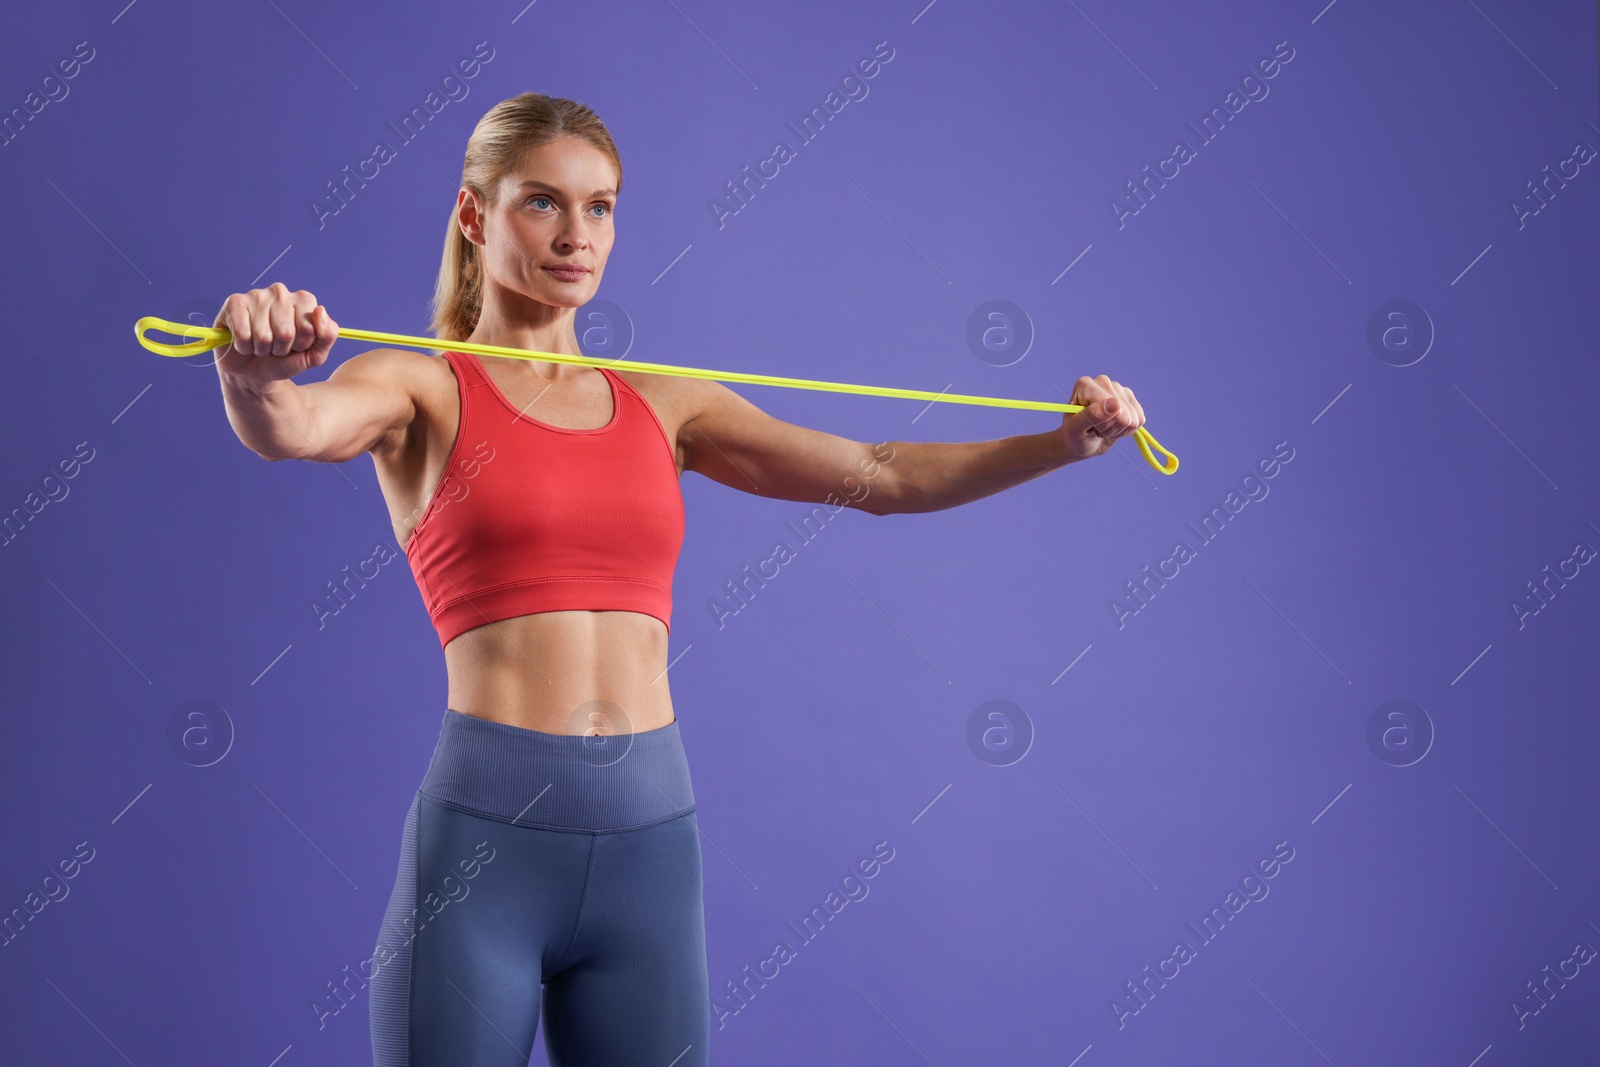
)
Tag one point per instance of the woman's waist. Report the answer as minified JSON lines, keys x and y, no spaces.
{"x":588,"y":782}
{"x":567,"y":672}
{"x":546,"y":656}
{"x":554,"y":705}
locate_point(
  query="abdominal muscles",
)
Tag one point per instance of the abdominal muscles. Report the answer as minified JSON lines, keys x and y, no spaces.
{"x":564,"y":672}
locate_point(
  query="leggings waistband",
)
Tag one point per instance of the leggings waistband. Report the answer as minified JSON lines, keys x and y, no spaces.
{"x":589,"y":783}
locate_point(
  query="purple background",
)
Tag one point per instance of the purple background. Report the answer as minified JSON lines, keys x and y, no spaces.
{"x":1231,"y":713}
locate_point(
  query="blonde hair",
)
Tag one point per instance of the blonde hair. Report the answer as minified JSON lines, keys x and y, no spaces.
{"x":498,"y":142}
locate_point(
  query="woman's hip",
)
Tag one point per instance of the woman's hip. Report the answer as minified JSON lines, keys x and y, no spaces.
{"x":576,"y":782}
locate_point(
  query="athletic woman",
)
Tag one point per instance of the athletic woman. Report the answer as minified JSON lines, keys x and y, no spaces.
{"x":550,"y":859}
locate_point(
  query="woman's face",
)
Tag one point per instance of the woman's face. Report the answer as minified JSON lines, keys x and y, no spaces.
{"x":552,"y":210}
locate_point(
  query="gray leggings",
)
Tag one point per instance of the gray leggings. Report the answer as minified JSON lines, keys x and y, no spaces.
{"x":550,"y":870}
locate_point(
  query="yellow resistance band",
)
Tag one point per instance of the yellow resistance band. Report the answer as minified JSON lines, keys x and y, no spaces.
{"x":214,"y":337}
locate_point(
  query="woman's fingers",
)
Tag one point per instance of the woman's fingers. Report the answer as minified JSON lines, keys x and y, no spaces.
{"x":1092,"y":395}
{"x":1130,"y":415}
{"x":260,"y":323}
{"x":305,"y":330}
{"x":280,"y":317}
{"x":1127,"y":419}
{"x":235,"y":315}
{"x":1137,"y":407}
{"x":1116,"y":422}
{"x":326,"y":331}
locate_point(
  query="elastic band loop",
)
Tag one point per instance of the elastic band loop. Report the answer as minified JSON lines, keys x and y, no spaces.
{"x":215,"y":336}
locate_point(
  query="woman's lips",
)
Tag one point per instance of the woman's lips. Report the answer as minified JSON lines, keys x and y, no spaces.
{"x":567,"y":274}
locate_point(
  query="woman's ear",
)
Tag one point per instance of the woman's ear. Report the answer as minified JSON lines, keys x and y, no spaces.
{"x":469,"y":215}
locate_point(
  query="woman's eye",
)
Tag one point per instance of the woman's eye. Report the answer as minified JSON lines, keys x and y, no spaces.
{"x":534,"y":199}
{"x":603,"y":208}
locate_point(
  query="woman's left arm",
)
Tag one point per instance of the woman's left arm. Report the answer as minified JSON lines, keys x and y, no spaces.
{"x":938,"y":475}
{"x":730,"y":440}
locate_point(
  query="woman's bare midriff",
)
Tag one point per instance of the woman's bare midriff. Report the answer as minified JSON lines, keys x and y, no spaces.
{"x":564,"y":672}
{"x":560,"y":672}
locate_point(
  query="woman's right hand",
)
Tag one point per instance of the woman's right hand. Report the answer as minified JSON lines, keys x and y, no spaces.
{"x":276,"y":334}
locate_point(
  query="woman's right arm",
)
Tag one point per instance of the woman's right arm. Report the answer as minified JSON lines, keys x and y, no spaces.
{"x":277,"y":334}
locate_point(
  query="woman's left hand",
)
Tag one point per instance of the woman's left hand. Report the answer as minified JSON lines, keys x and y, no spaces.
{"x":1110,"y":413}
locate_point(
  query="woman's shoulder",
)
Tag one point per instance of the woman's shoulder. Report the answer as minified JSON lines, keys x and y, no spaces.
{"x":675,"y":398}
{"x":677,"y":390}
{"x":406,"y":358}
{"x":405,"y":362}
{"x":425,"y":378}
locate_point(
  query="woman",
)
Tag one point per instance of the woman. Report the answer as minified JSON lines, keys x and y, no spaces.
{"x":551,"y":857}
